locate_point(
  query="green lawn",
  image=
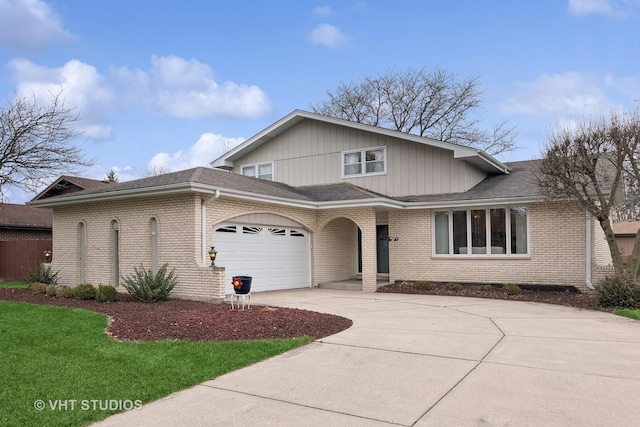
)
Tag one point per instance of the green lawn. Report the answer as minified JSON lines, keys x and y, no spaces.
{"x":13,"y":285}
{"x":62,"y":359}
{"x":634,"y":314}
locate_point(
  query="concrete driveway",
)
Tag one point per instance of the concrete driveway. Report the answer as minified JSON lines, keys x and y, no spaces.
{"x":416,"y":360}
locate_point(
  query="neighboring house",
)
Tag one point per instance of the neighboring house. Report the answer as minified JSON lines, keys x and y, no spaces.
{"x":625,"y":233}
{"x":25,"y":233}
{"x":313,"y":199}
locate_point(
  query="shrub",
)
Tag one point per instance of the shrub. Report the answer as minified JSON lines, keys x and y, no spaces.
{"x":145,"y":286}
{"x":511,"y":289}
{"x":454,"y":287}
{"x":42,"y":274}
{"x":85,"y":291}
{"x":51,"y":290}
{"x":105,"y":293}
{"x":486,"y":288}
{"x":422,"y":286}
{"x":64,"y":291}
{"x":619,"y":291}
{"x":38,"y":288}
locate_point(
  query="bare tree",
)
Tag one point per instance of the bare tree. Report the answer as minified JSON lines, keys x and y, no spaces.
{"x":156,"y":170}
{"x":427,"y":103}
{"x":35,"y":143}
{"x":592,"y":163}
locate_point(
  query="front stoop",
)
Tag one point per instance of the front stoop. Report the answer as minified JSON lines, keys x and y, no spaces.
{"x":349,"y":285}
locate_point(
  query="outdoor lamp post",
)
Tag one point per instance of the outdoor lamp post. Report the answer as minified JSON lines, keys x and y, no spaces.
{"x":47,"y":255}
{"x":212,"y":255}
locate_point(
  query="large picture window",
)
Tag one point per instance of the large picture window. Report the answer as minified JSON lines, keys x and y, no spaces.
{"x":491,"y":231}
{"x":370,"y":161}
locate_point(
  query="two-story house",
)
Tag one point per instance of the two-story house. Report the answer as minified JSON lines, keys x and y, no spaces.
{"x":312,"y":200}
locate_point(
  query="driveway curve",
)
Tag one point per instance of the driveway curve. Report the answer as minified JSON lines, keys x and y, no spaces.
{"x":423,"y":360}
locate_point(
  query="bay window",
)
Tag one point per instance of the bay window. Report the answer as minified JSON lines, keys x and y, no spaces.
{"x":489,"y":231}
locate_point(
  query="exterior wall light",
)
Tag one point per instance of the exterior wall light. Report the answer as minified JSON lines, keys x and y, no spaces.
{"x":47,"y":255}
{"x":212,"y":255}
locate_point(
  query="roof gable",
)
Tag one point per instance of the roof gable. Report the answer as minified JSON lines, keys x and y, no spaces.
{"x":70,"y":184}
{"x":474,"y":156}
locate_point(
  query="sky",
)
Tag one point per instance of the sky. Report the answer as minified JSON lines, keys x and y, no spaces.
{"x":174,"y":84}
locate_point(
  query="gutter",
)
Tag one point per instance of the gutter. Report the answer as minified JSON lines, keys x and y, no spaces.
{"x":203,"y":213}
{"x":588,"y":254}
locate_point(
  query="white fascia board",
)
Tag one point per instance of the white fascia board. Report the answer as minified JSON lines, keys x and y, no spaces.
{"x":473,"y":203}
{"x":124,"y":194}
{"x":309,"y":204}
{"x":226,"y":160}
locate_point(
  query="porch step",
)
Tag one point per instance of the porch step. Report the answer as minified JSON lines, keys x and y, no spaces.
{"x":346,"y":285}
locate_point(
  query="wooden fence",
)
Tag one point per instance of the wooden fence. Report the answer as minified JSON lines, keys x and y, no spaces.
{"x":19,"y":257}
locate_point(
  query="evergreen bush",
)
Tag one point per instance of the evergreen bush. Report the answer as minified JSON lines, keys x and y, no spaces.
{"x":454,"y":287}
{"x":619,"y":291}
{"x":42,"y":274}
{"x":64,"y":291}
{"x":38,"y":288}
{"x":145,"y":286}
{"x":85,"y":291}
{"x":106,"y":293}
{"x":511,"y":289}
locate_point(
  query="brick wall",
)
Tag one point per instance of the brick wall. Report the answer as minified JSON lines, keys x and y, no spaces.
{"x":557,"y":251}
{"x":557,"y":236}
{"x":178,"y":219}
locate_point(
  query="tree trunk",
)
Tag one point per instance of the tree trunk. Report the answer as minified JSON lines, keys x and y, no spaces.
{"x":634,"y":261}
{"x":616,"y":257}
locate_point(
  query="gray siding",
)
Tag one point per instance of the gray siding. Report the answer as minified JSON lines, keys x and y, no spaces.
{"x":309,"y":153}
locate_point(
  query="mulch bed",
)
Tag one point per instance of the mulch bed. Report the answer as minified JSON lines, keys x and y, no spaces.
{"x":195,"y":321}
{"x":582,"y":300}
{"x":199,"y":321}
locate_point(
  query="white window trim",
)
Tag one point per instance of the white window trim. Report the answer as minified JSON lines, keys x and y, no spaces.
{"x":508,"y":255}
{"x":256,"y":168}
{"x":363,"y":151}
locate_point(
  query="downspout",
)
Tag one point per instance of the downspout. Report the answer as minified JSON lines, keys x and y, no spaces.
{"x":203,"y":232}
{"x":589,"y":252}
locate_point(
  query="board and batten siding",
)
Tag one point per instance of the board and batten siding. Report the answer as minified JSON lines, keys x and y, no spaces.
{"x":310,"y":153}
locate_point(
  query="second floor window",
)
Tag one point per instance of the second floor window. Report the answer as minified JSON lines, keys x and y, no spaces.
{"x":370,"y":161}
{"x":259,"y":170}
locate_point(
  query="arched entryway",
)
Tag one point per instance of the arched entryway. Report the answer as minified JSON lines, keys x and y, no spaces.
{"x":346,"y":254}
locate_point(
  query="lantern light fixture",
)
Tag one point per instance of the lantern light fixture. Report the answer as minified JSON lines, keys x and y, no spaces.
{"x":212,"y":255}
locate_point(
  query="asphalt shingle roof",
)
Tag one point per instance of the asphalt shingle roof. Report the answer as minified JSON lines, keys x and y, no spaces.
{"x":23,"y":216}
{"x":519,"y":183}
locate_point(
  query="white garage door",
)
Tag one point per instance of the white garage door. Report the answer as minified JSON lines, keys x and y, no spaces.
{"x":276,"y":257}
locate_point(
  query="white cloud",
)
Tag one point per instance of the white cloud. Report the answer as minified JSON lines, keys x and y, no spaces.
{"x":184,"y":88}
{"x":173,"y":86}
{"x":329,"y":36}
{"x":81,"y":88}
{"x":209,"y":147}
{"x":29,"y":25}
{"x":323,"y":11}
{"x":615,"y":8}
{"x":569,"y":94}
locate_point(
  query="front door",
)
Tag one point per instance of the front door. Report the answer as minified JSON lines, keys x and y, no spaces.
{"x":382,"y":249}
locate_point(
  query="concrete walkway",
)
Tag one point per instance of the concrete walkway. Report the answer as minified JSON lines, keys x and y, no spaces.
{"x":416,"y":360}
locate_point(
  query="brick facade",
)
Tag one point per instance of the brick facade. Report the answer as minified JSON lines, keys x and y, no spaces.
{"x":557,"y":244}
